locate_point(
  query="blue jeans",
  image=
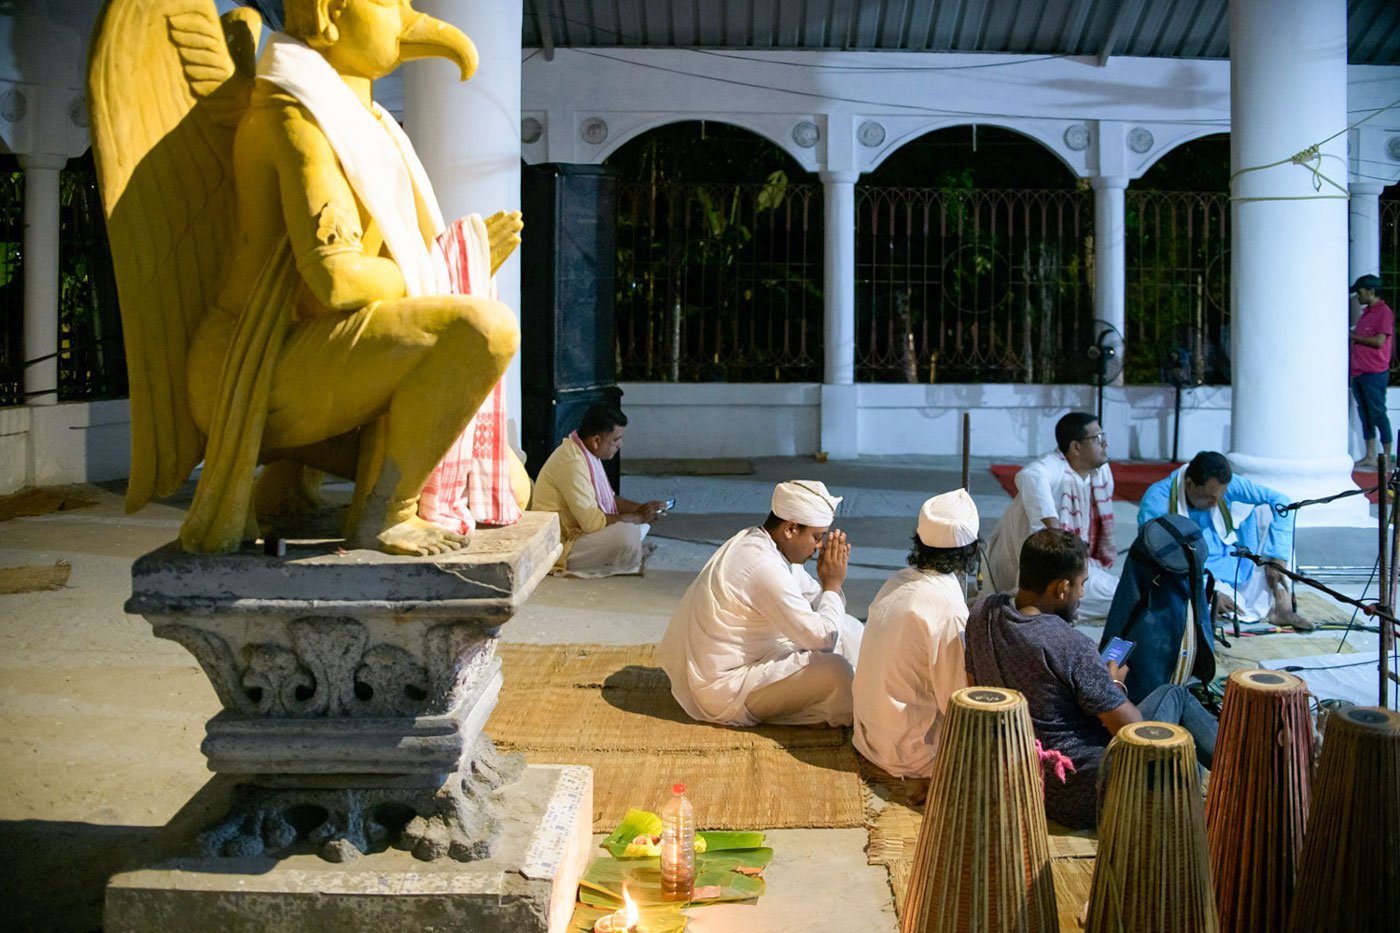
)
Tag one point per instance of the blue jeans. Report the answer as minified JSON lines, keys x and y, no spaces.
{"x":1369,"y":390}
{"x":1174,"y":704}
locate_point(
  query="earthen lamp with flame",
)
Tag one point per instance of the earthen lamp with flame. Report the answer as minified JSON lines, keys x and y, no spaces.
{"x":623,"y":920}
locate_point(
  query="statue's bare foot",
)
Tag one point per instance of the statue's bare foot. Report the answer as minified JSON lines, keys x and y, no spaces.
{"x":412,"y":536}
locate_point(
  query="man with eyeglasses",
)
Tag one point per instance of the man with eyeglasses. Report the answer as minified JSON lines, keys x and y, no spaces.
{"x":1069,"y":488}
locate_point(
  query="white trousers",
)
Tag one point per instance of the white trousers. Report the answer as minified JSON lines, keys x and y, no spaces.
{"x":819,"y":692}
{"x":616,"y":549}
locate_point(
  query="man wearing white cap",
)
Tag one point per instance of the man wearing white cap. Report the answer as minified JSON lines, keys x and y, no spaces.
{"x":911,"y":657}
{"x":755,"y":638}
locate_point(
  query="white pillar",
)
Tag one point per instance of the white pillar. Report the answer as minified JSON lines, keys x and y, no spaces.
{"x":1288,"y":91}
{"x":840,"y":415}
{"x":468,"y":133}
{"x":41,"y":275}
{"x":1364,"y":230}
{"x":1110,"y":264}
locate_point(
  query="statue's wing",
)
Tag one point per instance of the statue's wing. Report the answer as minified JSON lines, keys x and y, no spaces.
{"x":167,"y":85}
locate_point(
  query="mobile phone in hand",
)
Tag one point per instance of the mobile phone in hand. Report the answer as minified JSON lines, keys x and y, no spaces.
{"x":1117,"y":651}
{"x":669,"y":504}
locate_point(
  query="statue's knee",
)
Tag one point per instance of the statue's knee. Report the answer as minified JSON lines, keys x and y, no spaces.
{"x":502,"y":333}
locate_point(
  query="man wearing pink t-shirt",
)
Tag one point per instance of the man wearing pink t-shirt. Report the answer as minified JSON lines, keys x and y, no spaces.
{"x":1370,"y":366}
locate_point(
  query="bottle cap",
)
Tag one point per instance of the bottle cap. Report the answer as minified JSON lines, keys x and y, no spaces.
{"x":678,"y":788}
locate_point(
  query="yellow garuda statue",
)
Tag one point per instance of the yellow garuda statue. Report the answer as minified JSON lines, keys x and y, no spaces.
{"x":272,"y":233}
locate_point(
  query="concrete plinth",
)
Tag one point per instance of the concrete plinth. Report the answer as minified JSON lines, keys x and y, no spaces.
{"x":527,"y":885}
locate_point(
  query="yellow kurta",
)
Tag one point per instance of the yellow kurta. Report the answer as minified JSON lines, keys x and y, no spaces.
{"x":565,"y":486}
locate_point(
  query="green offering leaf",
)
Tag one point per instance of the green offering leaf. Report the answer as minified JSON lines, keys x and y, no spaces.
{"x":643,"y":823}
{"x":718,"y":841}
{"x":723,"y":874}
{"x":634,"y":823}
{"x":658,"y":919}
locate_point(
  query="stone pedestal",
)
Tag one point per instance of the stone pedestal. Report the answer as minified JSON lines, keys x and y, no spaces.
{"x":527,"y":885}
{"x":354,"y":687}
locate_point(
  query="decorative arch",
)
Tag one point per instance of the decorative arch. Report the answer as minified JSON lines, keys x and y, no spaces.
{"x":765,"y":126}
{"x":1034,"y":132}
{"x":1187,"y":134}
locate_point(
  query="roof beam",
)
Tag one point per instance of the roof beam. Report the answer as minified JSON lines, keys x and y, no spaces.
{"x":1116,"y":27}
{"x":545,"y":27}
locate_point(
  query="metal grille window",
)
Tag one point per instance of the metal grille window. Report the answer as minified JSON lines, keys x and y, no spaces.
{"x":1178,"y":286}
{"x":92,"y":358}
{"x":719,"y":282}
{"x":1390,"y":264}
{"x":11,"y":287}
{"x":973,"y":285}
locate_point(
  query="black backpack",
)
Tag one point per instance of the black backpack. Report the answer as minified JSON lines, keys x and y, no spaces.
{"x":1163,"y":574}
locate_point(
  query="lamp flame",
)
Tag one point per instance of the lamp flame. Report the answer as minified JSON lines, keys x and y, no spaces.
{"x":630,"y":910}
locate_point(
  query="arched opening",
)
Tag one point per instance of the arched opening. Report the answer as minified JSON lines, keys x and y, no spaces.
{"x":719,"y":258}
{"x":1177,"y":259}
{"x":971,"y":262}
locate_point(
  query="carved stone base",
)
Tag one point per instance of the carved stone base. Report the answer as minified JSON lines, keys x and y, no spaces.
{"x":527,"y":885}
{"x":460,"y":819}
{"x":354,"y":685}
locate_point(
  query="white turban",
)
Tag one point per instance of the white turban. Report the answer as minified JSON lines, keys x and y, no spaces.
{"x":806,"y":502}
{"x":949,"y":520}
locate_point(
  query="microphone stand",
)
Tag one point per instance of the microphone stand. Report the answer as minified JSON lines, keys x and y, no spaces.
{"x":1388,"y":565}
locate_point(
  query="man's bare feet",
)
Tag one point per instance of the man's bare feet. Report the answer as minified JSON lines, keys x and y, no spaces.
{"x":412,"y":536}
{"x":1285,"y":617}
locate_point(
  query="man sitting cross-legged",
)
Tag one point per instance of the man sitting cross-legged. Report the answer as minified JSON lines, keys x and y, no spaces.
{"x":1025,"y":641}
{"x":1071,"y":488}
{"x":755,"y":638}
{"x":602,"y":532}
{"x":911,"y":658}
{"x":1231,"y":510}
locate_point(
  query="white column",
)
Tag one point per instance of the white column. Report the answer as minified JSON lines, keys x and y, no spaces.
{"x":1364,"y":230}
{"x":840,"y":415}
{"x":468,"y":133}
{"x":1288,"y":91}
{"x":41,"y":275}
{"x":1110,"y":263}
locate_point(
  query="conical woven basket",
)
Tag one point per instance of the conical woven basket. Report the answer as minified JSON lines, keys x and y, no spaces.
{"x":1258,"y":801}
{"x":1153,"y":869}
{"x":983,"y":861}
{"x":1349,"y":876}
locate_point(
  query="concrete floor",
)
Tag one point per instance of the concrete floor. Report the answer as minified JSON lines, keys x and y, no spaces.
{"x":100,"y":723}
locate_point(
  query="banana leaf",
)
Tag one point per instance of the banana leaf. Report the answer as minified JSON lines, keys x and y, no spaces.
{"x":663,"y":918}
{"x":641,"y":822}
{"x":722,"y":876}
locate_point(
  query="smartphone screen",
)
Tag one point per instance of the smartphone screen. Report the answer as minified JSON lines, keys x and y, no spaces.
{"x":1118,"y":650}
{"x":669,"y":504}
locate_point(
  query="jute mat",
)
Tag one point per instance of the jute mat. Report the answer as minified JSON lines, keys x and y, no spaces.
{"x":30,"y":502}
{"x":610,"y":708}
{"x":34,"y":577}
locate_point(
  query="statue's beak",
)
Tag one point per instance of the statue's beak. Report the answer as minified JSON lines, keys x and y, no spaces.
{"x":425,"y":37}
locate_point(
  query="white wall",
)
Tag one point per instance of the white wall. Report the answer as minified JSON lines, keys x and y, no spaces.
{"x":56,"y":445}
{"x":1009,"y":421}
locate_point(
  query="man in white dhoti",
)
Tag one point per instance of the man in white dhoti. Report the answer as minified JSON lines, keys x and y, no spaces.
{"x":755,"y":638}
{"x":1231,"y":510}
{"x":911,"y":655}
{"x":603,"y":533}
{"x":1069,"y":488}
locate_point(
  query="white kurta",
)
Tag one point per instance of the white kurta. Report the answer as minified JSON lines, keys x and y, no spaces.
{"x":749,"y":619}
{"x":911,"y":661}
{"x":1040,"y":489}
